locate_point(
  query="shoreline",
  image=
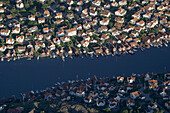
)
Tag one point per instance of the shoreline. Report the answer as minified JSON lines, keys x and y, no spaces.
{"x":83,"y":52}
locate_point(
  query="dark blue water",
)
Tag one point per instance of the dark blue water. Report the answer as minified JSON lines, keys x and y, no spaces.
{"x":23,"y":76}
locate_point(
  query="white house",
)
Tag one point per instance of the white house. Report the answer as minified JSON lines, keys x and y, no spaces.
{"x":19,"y":39}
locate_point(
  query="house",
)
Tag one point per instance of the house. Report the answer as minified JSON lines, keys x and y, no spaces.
{"x":2,"y":10}
{"x":122,"y":2}
{"x":31,"y":17}
{"x":86,"y":26}
{"x":77,"y":44}
{"x":120,"y":12}
{"x":140,"y":23}
{"x":105,"y":13}
{"x":41,"y":20}
{"x":15,"y":30}
{"x":59,"y":15}
{"x":163,"y":93}
{"x":88,"y":99}
{"x":120,"y":79}
{"x":2,"y":48}
{"x":48,"y":36}
{"x":70,"y":2}
{"x":46,"y":13}
{"x":51,"y":46}
{"x":100,"y":103}
{"x":59,"y":93}
{"x":147,"y":77}
{"x":85,"y":43}
{"x":60,"y":33}
{"x":130,"y":103}
{"x":38,"y":36}
{"x":57,"y":41}
{"x":47,"y":96}
{"x":21,"y":49}
{"x":19,"y":39}
{"x":104,"y":37}
{"x":5,"y":32}
{"x":136,"y":15}
{"x":135,"y":94}
{"x":152,"y":105}
{"x":33,"y":29}
{"x":20,"y":5}
{"x":80,"y":93}
{"x":10,"y":41}
{"x":85,"y":11}
{"x":86,"y":38}
{"x":65,"y":39}
{"x":131,"y":79}
{"x":93,"y":13}
{"x":96,"y":2}
{"x":114,"y":4}
{"x":45,"y":30}
{"x":167,"y":104}
{"x":119,"y":20}
{"x":71,"y":32}
{"x":104,"y":21}
{"x":1,"y":4}
{"x":80,"y":2}
{"x":134,"y":20}
{"x":102,"y":29}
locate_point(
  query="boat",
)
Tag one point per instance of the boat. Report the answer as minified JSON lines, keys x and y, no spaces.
{"x":63,"y":58}
{"x":131,"y":52}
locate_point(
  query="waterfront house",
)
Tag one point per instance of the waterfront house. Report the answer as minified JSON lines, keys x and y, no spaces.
{"x":21,"y":49}
{"x":47,"y":96}
{"x":51,"y":46}
{"x":147,"y":77}
{"x":130,"y":103}
{"x":135,"y":94}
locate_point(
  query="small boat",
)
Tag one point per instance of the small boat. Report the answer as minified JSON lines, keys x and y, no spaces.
{"x":166,"y":44}
{"x":38,"y":57}
{"x":2,"y":59}
{"x":63,"y":58}
{"x":131,"y":52}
